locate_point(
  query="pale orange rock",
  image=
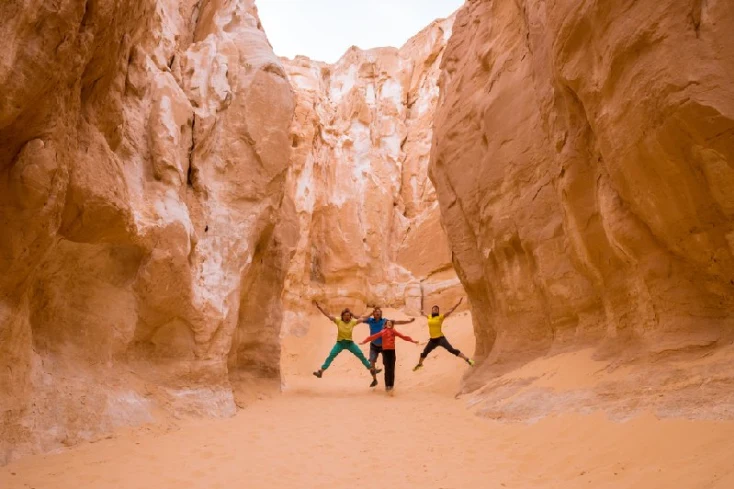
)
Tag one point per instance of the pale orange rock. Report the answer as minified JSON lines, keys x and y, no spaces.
{"x":361,"y":138}
{"x":584,"y":161}
{"x":145,"y":233}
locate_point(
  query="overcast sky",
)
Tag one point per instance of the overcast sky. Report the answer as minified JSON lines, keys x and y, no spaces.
{"x":324,"y":29}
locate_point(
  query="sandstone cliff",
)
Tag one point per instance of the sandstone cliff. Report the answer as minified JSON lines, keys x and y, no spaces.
{"x":369,"y":220}
{"x":144,"y":235}
{"x":584,"y":162}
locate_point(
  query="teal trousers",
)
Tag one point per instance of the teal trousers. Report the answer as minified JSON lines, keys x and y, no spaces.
{"x":339,"y":347}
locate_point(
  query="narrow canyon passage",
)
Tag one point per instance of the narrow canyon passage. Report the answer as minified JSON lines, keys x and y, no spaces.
{"x":174,"y":195}
{"x":336,"y":432}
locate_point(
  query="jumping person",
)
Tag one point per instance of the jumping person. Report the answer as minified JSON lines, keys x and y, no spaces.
{"x":387,"y":335}
{"x":376,"y":322}
{"x":344,"y":325}
{"x":435,"y":323}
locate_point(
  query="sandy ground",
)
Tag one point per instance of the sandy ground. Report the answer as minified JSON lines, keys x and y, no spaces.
{"x":336,"y":432}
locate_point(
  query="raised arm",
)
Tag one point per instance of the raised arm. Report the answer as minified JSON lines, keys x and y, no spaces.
{"x":364,"y":318}
{"x":332,"y":318}
{"x":408,"y":321}
{"x":406,"y":338}
{"x":450,"y":311}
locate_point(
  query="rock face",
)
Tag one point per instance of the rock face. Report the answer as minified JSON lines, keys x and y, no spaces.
{"x":144,"y":235}
{"x":369,"y":220}
{"x":584,"y":162}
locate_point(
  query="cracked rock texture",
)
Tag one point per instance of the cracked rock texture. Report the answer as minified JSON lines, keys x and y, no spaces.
{"x":369,"y":219}
{"x":144,"y":233}
{"x":584,"y":163}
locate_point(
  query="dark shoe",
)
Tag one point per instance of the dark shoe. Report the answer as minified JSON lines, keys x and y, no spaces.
{"x":378,"y":370}
{"x":319,"y":373}
{"x":374,"y":383}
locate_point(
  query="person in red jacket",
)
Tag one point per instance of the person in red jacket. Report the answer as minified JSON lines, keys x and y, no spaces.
{"x":388,"y":335}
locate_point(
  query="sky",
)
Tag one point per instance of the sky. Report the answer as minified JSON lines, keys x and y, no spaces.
{"x":324,"y":29}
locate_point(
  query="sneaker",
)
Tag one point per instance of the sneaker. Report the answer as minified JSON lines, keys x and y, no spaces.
{"x":319,"y":373}
{"x":388,"y":388}
{"x":470,"y":362}
{"x":374,"y":383}
{"x":417,"y":367}
{"x":378,"y":370}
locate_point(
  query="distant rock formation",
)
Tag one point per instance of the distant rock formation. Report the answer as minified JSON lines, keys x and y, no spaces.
{"x":369,"y":220}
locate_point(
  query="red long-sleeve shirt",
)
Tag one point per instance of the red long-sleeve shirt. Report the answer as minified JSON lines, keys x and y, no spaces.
{"x":388,"y":338}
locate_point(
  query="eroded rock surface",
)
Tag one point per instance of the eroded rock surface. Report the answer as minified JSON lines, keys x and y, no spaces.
{"x":369,"y":220}
{"x":144,"y":239}
{"x":584,"y":162}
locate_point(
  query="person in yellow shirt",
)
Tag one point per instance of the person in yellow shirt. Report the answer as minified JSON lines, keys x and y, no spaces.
{"x":435,"y":330}
{"x":344,"y":325}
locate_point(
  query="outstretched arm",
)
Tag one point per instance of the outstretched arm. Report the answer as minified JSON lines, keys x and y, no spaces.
{"x":373,"y":337}
{"x":404,"y":321}
{"x":322,"y":311}
{"x":450,"y":311}
{"x":406,"y":338}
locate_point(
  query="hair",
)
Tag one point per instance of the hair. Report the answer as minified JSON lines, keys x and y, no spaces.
{"x":389,"y":322}
{"x":435,"y":307}
{"x":346,"y":310}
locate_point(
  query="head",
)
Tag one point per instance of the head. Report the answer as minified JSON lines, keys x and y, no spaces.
{"x":434,"y":311}
{"x":389,"y":324}
{"x":346,"y":315}
{"x":378,"y":313}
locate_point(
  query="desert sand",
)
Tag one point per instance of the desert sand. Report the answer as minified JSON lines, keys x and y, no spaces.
{"x":336,"y":432}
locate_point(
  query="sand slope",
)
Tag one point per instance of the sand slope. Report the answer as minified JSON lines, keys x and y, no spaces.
{"x":337,"y":433}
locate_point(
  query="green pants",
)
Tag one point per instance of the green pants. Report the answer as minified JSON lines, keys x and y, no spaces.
{"x":345,"y":345}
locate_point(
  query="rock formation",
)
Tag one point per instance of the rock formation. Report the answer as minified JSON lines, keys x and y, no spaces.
{"x":144,"y":232}
{"x":361,"y":137}
{"x":584,"y":162}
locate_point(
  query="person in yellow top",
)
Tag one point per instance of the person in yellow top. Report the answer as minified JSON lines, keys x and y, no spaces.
{"x":344,"y":325}
{"x":435,"y":325}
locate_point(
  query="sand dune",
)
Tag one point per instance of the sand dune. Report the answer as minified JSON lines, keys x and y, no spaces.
{"x":337,"y":433}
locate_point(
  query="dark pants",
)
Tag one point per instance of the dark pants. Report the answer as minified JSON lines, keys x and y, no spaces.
{"x":434,"y":343}
{"x":388,"y":359}
{"x":375,"y":351}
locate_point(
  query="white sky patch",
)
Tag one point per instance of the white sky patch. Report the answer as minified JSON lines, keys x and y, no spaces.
{"x":324,"y":29}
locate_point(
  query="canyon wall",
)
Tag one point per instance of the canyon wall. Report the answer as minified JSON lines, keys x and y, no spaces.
{"x":583,"y":156}
{"x":144,"y":229}
{"x":369,"y":220}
